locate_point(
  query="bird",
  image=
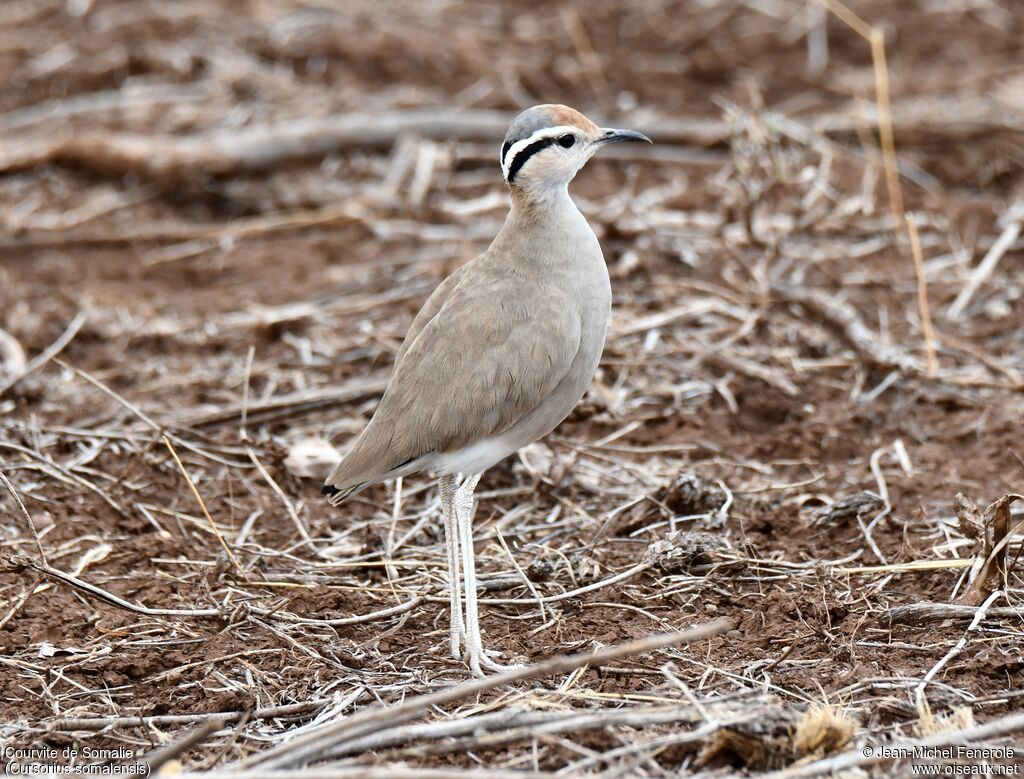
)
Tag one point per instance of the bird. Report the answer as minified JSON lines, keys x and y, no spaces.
{"x":501,"y":351}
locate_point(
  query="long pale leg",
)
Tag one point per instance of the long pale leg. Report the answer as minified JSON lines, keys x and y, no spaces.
{"x":446,"y":486}
{"x":464,"y":513}
{"x":476,"y":657}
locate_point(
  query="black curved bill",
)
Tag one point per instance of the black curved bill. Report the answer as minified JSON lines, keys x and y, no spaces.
{"x":621,"y":136}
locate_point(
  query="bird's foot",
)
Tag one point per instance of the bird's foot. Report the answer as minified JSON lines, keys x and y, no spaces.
{"x":495,"y":667}
{"x":480,"y":661}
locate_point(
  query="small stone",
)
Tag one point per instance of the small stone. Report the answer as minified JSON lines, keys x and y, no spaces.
{"x":679,"y":552}
{"x":689,"y":495}
{"x":850,"y":507}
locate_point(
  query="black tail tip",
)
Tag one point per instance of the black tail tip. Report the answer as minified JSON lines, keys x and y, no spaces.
{"x":329,"y":489}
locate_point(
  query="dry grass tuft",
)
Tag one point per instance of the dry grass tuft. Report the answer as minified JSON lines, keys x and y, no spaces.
{"x":823,"y":730}
{"x":952,"y":721}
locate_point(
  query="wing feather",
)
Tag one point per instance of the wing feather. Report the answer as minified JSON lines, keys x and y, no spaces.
{"x":480,"y":355}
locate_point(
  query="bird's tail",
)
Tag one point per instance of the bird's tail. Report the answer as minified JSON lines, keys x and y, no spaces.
{"x":337,"y":496}
{"x":360,"y":468}
{"x":354,"y":472}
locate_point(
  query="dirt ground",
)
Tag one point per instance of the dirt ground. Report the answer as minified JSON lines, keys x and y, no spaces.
{"x":766,"y":430}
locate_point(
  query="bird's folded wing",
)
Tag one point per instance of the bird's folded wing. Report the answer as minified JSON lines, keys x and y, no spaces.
{"x":487,"y":357}
{"x":429,"y":310}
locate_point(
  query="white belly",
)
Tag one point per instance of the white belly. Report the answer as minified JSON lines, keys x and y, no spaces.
{"x":475,"y":458}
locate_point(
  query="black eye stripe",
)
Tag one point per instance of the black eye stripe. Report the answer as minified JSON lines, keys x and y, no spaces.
{"x":521,"y":157}
{"x":504,"y":150}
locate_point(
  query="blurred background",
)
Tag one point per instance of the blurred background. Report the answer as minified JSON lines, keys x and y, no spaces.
{"x":217,"y":220}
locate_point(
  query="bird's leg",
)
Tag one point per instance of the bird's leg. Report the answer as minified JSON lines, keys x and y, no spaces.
{"x":476,"y":657}
{"x":464,"y":513}
{"x":457,"y":632}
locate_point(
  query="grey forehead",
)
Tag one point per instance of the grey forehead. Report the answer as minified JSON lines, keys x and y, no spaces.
{"x":528,"y":122}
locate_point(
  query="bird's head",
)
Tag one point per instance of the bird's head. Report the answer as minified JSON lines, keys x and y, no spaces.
{"x":548,"y":144}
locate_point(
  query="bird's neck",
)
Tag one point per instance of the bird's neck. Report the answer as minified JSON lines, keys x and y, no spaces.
{"x":547,"y":208}
{"x":549,"y":231}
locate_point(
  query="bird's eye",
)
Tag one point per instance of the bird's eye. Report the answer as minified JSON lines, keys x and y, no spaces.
{"x":567,"y":140}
